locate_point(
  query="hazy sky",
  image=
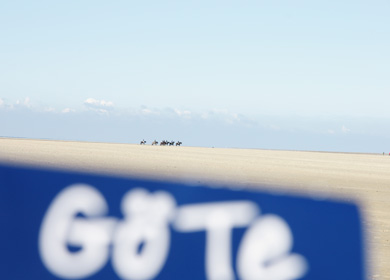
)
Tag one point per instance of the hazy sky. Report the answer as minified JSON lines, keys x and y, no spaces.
{"x":252,"y":74}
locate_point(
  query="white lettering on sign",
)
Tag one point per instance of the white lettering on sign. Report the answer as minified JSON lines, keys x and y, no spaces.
{"x":146,"y":222}
{"x":218,"y":220}
{"x":60,"y":227}
{"x":141,"y":241}
{"x":264,"y":251}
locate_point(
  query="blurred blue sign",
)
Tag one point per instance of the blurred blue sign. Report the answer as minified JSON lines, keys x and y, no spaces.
{"x":60,"y":225}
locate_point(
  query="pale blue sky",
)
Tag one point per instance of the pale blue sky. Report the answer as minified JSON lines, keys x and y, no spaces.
{"x":311,"y":68}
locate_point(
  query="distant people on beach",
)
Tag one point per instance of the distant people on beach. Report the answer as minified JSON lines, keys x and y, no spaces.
{"x":163,"y":143}
{"x":167,"y":143}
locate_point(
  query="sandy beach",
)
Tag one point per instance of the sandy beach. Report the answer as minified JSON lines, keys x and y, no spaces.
{"x":364,"y":178}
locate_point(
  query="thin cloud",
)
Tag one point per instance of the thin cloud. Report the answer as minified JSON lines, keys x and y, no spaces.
{"x":101,"y":106}
{"x":274,"y":127}
{"x":148,"y":111}
{"x":50,"y":110}
{"x":185,"y":114}
{"x":344,"y":129}
{"x":331,"y":131}
{"x":227,"y":117}
{"x":68,"y":110}
{"x":24,"y":103}
{"x":20,"y":104}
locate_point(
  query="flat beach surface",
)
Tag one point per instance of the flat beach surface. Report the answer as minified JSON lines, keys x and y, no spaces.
{"x":364,"y":178}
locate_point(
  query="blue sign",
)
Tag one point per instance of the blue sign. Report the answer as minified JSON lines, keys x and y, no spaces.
{"x":62,"y":225}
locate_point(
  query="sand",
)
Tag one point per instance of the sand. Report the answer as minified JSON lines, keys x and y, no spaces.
{"x":364,"y":178}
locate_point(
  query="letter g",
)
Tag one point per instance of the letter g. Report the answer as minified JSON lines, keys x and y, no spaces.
{"x":61,"y":227}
